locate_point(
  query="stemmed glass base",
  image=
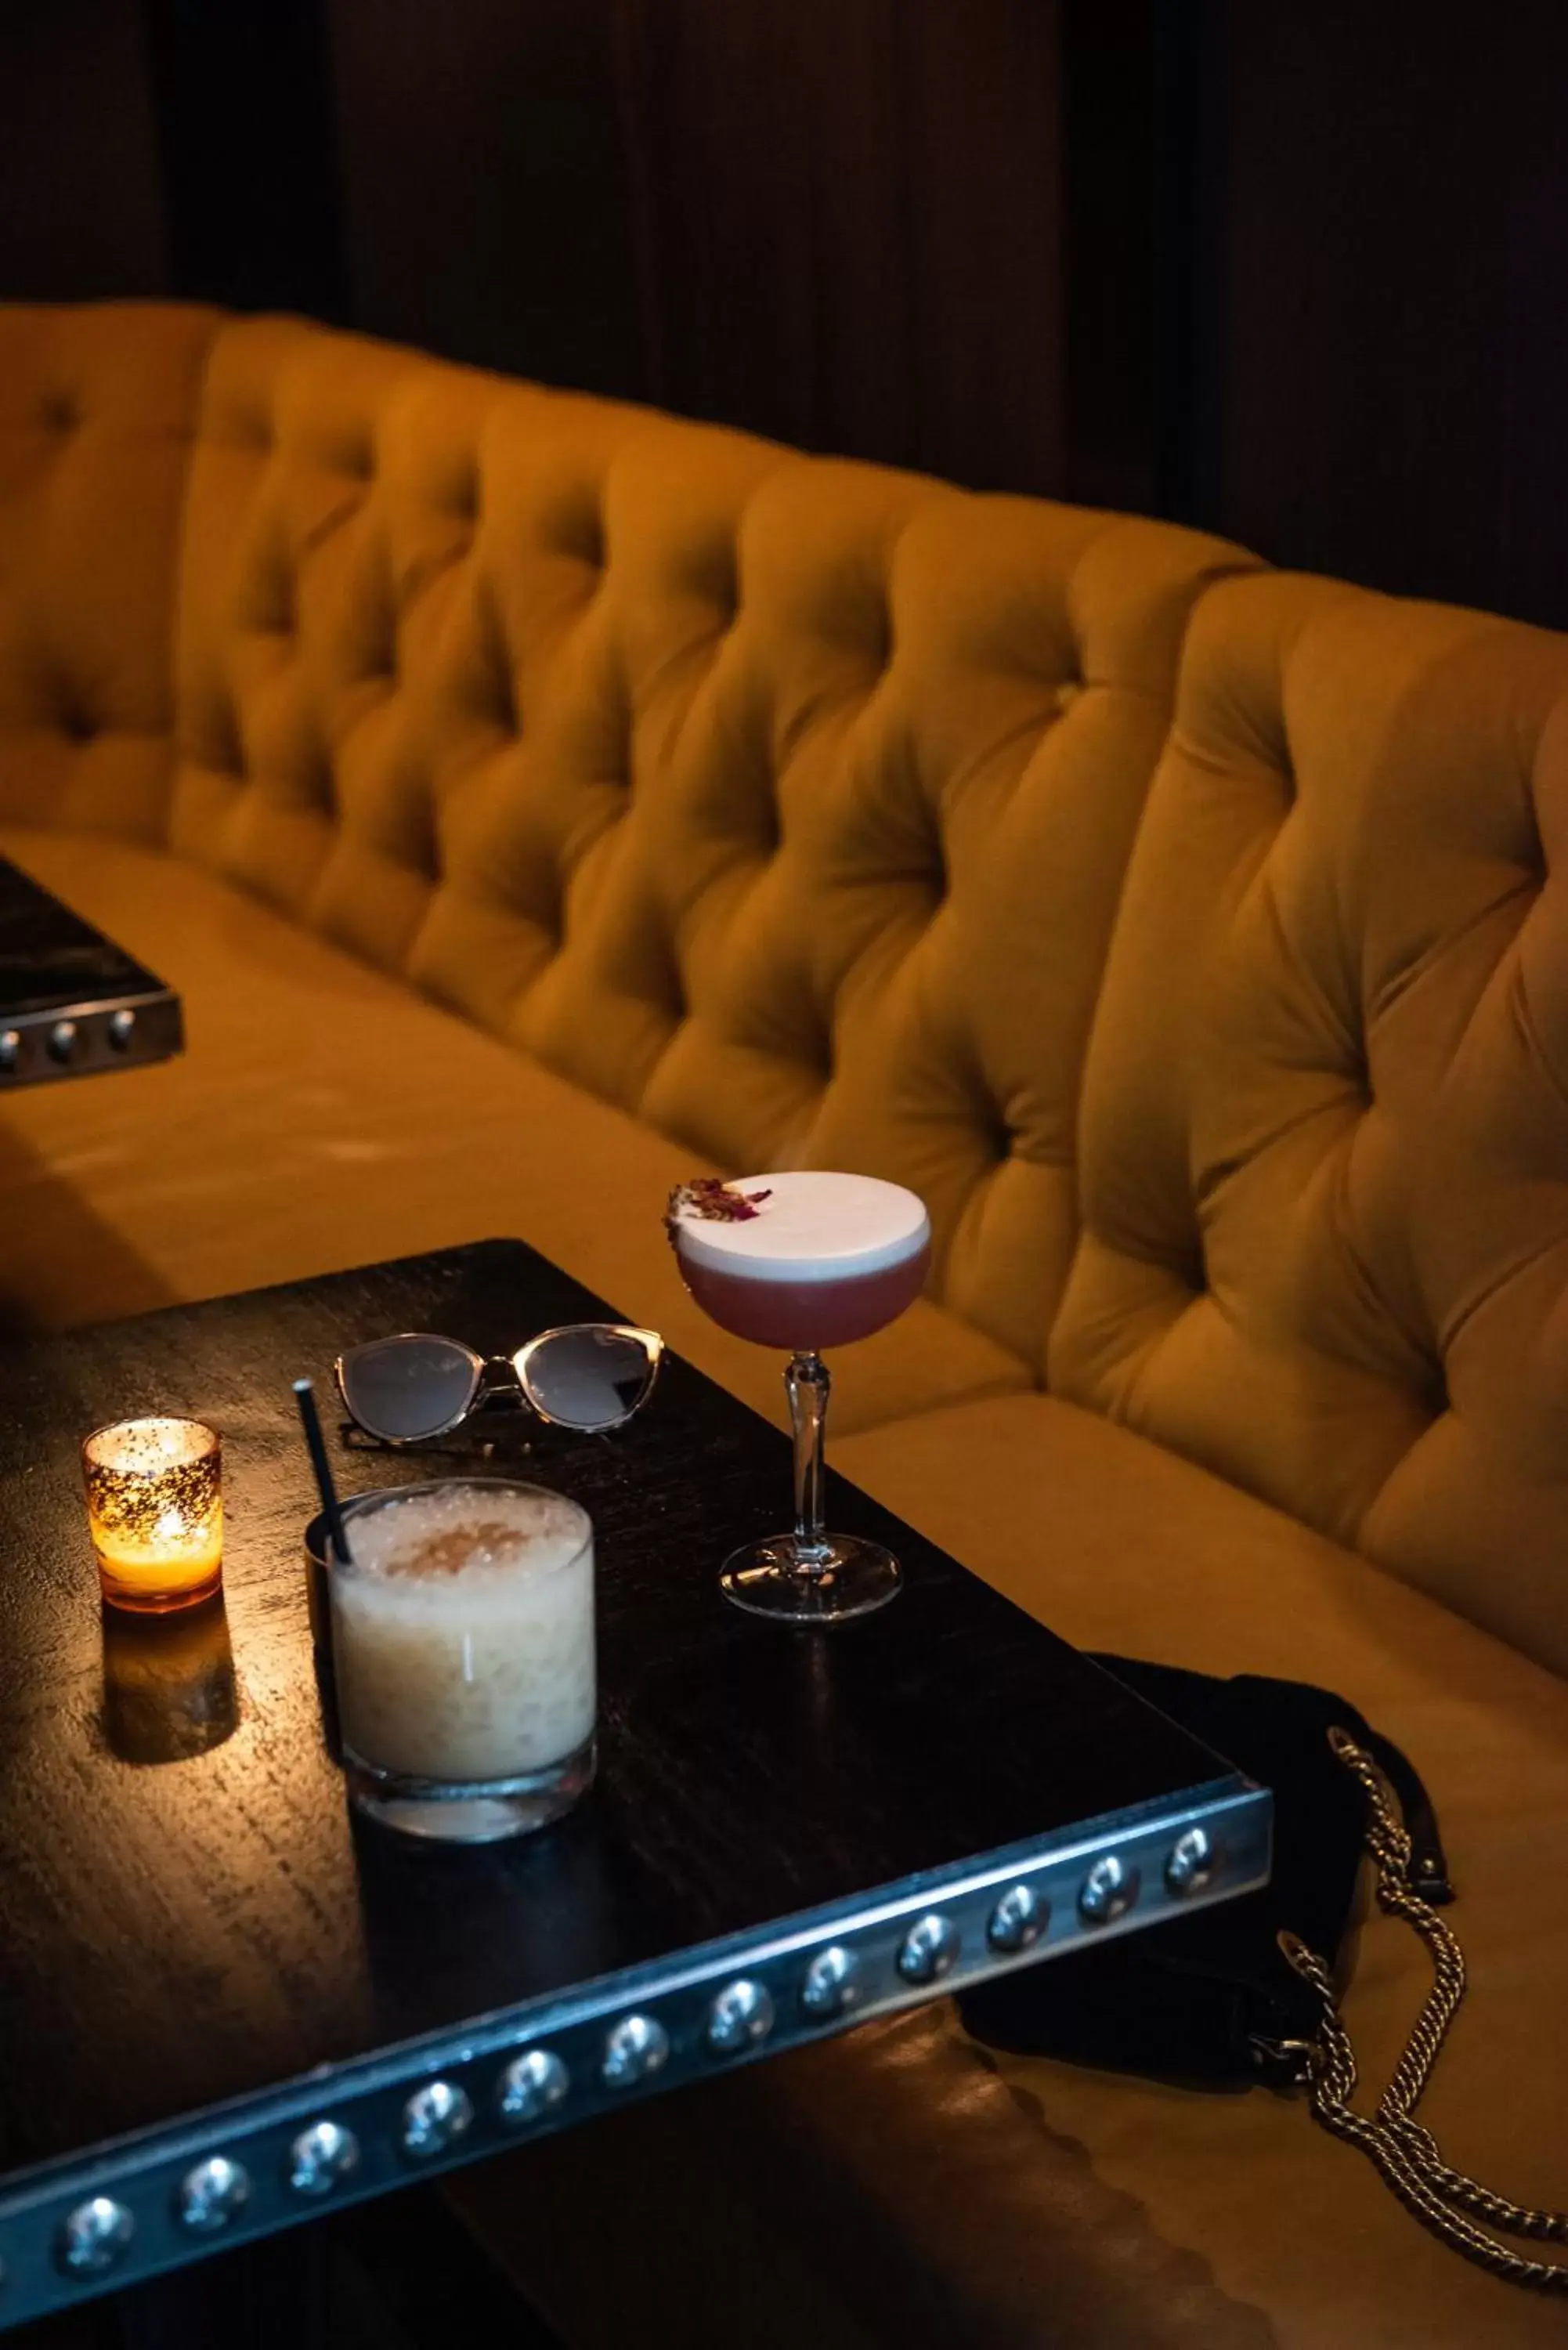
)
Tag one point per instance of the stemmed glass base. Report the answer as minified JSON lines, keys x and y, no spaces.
{"x":826,"y":1582}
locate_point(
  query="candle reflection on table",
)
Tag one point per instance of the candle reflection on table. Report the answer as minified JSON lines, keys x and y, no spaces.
{"x":169,"y":1689}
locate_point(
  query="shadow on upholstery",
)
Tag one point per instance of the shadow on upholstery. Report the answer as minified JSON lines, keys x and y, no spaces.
{"x":886,"y":2188}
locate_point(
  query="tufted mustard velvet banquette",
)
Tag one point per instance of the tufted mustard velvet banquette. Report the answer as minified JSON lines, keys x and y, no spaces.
{"x":536,"y":799}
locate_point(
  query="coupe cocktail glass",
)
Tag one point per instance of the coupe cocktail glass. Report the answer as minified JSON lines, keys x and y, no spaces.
{"x":804,"y":1260}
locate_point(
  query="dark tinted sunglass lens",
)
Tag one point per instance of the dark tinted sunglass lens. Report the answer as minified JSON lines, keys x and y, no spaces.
{"x":588,"y":1379}
{"x":404,"y":1388}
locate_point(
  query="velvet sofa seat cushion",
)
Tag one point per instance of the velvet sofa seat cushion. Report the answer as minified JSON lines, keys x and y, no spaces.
{"x":324,"y":1115}
{"x":894,"y":2137}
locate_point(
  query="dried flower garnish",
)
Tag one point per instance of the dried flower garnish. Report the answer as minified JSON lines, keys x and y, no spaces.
{"x":711,"y":1199}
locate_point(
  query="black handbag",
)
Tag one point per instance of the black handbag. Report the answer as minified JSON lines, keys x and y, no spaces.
{"x":1245,"y":1991}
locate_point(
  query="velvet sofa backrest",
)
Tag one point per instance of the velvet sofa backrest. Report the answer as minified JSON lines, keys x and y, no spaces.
{"x":1325,"y":1156}
{"x":98,"y":407}
{"x":784,"y":803}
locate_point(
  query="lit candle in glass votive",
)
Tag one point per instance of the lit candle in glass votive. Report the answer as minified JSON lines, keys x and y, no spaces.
{"x":156,"y":1510}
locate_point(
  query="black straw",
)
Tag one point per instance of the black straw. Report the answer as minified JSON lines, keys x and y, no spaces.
{"x":304,"y":1397}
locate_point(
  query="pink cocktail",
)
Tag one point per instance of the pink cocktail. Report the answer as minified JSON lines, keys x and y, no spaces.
{"x":805,"y":1260}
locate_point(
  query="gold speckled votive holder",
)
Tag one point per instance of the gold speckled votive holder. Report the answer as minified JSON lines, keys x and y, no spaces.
{"x":155,"y":1508}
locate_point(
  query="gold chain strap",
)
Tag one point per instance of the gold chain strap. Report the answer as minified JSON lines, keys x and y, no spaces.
{"x":1403,"y":2150}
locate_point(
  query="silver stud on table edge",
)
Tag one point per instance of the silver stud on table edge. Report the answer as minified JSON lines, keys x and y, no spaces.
{"x":1109,"y":1891}
{"x":1018,"y":1921}
{"x":1191,"y":1864}
{"x":121,"y":1028}
{"x":321,"y":2158}
{"x":62,"y":1040}
{"x":929,"y":1948}
{"x":433,"y":2120}
{"x":10,"y":1048}
{"x":532,"y":2085}
{"x":211,"y":2194}
{"x":829,"y":1985}
{"x":633,"y":2052}
{"x":94,"y":2236}
{"x":740,"y":2016}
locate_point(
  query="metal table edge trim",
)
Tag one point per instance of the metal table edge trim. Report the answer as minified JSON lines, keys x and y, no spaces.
{"x":367,"y":2094}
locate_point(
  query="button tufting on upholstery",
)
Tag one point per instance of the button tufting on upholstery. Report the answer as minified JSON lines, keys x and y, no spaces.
{"x":494,"y":698}
{"x":767,"y":835}
{"x":1067,"y":693}
{"x":222,"y":746}
{"x":578,"y":531}
{"x":713,"y":573}
{"x":318,"y":776}
{"x":1189,"y":1266}
{"x":876,"y":639}
{"x":380,"y":662}
{"x":59,"y":412}
{"x":243,"y":422}
{"x":76,"y":724}
{"x":465,"y":494}
{"x":265,"y":592}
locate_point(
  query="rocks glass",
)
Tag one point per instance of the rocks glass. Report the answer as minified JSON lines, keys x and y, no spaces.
{"x":462,"y":1656}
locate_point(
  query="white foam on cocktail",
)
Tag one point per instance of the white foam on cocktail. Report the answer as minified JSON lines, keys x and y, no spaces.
{"x":815,"y":1225}
{"x":483,"y":1670}
{"x":496,"y":1530}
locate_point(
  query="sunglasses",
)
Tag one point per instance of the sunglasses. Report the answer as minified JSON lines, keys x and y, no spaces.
{"x":587,"y":1376}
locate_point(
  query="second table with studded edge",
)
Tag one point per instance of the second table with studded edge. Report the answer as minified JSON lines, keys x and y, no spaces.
{"x":72,"y":1003}
{"x":225,"y":2003}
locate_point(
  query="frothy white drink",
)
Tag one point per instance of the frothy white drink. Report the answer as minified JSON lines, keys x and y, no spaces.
{"x":809,"y":1225}
{"x":463,"y":1634}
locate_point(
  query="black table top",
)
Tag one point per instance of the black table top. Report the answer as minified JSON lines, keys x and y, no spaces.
{"x":178,"y":1943}
{"x":71,"y":1002}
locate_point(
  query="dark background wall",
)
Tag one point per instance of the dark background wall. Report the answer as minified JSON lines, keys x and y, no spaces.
{"x":849,"y":223}
{"x":485,"y":183}
{"x":1390,"y":251}
{"x":81,"y":199}
{"x":1294,"y":271}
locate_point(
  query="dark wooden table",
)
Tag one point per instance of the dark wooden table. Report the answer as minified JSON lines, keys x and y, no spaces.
{"x":71,"y":1002}
{"x":204,"y":1956}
